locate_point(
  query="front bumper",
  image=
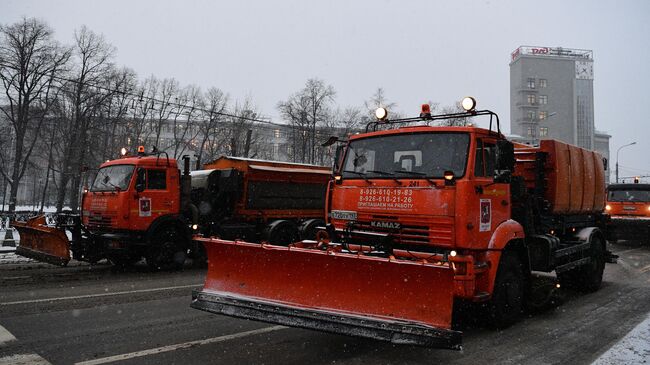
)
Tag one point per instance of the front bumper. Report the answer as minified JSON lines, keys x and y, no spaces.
{"x":397,"y":332}
{"x":624,"y":227}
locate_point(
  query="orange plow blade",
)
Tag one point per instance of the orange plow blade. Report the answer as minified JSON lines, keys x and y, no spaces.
{"x":42,"y":243}
{"x":400,"y":301}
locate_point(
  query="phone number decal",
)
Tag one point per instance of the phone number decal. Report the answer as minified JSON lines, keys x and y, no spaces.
{"x":393,"y":199}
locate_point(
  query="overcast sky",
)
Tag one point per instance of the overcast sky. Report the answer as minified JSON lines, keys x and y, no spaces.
{"x":416,"y":50}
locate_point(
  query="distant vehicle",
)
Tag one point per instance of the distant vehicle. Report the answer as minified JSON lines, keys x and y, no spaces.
{"x":629,"y":208}
{"x":143,"y":206}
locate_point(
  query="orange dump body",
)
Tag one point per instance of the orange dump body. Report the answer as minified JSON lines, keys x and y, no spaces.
{"x":269,"y":187}
{"x":574,"y":176}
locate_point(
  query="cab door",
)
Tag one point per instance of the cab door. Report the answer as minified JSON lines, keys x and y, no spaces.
{"x":492,"y":199}
{"x":156,"y":196}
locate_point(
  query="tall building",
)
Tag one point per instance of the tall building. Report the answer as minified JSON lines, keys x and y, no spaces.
{"x":552,"y":97}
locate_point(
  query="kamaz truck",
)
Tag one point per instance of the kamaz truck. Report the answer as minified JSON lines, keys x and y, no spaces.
{"x":421,"y":219}
{"x":143,"y":206}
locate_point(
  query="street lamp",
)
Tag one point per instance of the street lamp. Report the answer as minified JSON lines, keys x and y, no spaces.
{"x":617,"y":151}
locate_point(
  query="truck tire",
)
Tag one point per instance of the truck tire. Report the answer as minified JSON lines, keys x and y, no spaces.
{"x":308,"y":228}
{"x":589,"y":277}
{"x":281,"y":233}
{"x":166,"y":250}
{"x":507,"y":303}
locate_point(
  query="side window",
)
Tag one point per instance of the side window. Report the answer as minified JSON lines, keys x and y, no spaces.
{"x":479,"y":168}
{"x":490,"y":154}
{"x":485,"y":159}
{"x":157,"y":179}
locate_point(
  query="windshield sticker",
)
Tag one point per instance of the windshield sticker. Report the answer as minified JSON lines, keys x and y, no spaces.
{"x":145,"y":207}
{"x":486,"y":215}
{"x":386,"y":199}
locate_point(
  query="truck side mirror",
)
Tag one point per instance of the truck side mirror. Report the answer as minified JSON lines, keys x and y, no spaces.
{"x":505,"y":161}
{"x":140,"y":180}
{"x":338,"y":155}
{"x":505,"y":155}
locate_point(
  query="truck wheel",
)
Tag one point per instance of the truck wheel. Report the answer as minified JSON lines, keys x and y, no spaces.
{"x":308,"y":228}
{"x":589,"y":277}
{"x":282,"y":233}
{"x":507,"y":303}
{"x":165,"y":251}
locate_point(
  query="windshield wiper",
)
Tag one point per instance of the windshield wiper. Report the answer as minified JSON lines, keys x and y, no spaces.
{"x":384,"y":173}
{"x":361,"y":174}
{"x":415,"y":173}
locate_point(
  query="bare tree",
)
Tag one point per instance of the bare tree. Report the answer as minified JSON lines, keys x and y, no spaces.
{"x":85,"y":96}
{"x":241,"y":132}
{"x":29,"y":60}
{"x":210,"y":135}
{"x":306,"y":110}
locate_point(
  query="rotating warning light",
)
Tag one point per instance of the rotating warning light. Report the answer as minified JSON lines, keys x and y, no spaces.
{"x":425,"y":111}
{"x":468,"y":103}
{"x":381,"y":113}
{"x":141,"y":150}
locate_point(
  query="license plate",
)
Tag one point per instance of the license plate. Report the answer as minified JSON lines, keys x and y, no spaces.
{"x":347,"y":215}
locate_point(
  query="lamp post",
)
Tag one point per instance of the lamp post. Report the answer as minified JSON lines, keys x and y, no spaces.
{"x":617,"y":151}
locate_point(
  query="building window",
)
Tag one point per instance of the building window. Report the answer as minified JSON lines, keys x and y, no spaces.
{"x":531,"y":115}
{"x":543,"y":115}
{"x":531,"y":83}
{"x":531,"y":99}
{"x":531,"y":131}
{"x":542,"y":82}
{"x":543,"y":131}
{"x":543,"y":99}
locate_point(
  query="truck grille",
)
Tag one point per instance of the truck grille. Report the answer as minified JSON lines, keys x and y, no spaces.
{"x":439,"y":232}
{"x":101,"y":221}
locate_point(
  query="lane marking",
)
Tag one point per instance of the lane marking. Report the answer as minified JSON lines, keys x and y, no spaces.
{"x":5,"y":336}
{"x":100,"y":295}
{"x":24,"y":359}
{"x":159,"y":350}
{"x":634,"y":348}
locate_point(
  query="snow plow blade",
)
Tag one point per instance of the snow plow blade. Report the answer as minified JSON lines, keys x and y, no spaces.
{"x":400,"y":301}
{"x":42,"y":243}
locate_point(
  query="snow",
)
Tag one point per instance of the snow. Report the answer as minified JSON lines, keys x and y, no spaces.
{"x":632,"y":349}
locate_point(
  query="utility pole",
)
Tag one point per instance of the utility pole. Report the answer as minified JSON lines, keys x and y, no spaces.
{"x":617,"y":151}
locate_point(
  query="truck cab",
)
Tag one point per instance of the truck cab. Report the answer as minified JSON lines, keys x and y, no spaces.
{"x":629,"y":208}
{"x":422,"y":185}
{"x":129,"y":201}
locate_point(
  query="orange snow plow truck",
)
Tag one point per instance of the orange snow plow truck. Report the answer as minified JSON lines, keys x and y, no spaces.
{"x":143,"y":206}
{"x":420,"y":218}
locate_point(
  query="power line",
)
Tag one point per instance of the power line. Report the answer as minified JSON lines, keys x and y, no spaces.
{"x":142,"y":97}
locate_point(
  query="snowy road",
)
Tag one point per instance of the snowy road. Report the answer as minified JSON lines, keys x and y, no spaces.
{"x":92,"y":315}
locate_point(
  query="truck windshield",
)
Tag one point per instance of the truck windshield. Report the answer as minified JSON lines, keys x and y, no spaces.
{"x":114,"y":177}
{"x":416,"y":155}
{"x":629,"y":195}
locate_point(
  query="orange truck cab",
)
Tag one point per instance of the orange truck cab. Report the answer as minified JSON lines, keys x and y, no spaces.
{"x":420,"y":218}
{"x":629,"y":208}
{"x":132,"y":200}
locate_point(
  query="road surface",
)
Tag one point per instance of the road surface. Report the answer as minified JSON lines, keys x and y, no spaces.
{"x":94,"y":315}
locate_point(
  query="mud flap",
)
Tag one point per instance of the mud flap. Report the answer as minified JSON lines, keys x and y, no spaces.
{"x":400,"y":301}
{"x":42,"y":243}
